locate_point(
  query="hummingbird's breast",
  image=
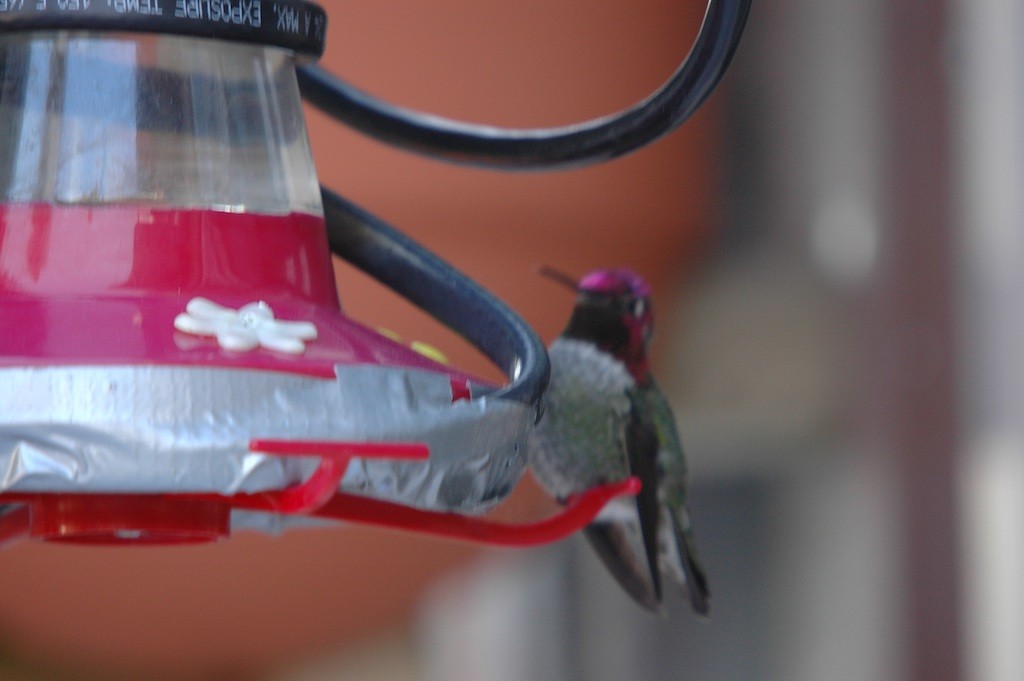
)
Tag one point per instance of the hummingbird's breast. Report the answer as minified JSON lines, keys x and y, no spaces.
{"x":580,"y":441}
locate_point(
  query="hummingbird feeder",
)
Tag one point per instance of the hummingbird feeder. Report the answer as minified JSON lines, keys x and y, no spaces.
{"x":174,"y":360}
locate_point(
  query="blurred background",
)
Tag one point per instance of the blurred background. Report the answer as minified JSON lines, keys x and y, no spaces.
{"x":835,"y":243}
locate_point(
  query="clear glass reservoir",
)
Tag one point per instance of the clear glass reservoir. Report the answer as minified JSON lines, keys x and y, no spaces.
{"x":164,"y":120}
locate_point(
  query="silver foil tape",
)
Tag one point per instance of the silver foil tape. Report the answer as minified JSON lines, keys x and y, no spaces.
{"x":147,"y":429}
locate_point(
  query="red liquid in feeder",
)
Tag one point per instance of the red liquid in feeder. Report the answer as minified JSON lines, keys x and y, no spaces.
{"x":128,"y":249}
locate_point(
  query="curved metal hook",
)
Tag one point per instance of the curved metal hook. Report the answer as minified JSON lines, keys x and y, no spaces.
{"x":455,"y":300}
{"x":545,"y":148}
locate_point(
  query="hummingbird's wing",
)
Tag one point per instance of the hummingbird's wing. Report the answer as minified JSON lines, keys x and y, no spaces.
{"x":678,"y":549}
{"x":642,"y":450}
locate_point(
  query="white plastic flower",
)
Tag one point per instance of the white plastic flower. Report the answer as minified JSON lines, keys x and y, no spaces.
{"x":246,"y":328}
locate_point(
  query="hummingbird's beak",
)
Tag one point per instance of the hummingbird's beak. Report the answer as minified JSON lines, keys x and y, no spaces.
{"x":560,"y":277}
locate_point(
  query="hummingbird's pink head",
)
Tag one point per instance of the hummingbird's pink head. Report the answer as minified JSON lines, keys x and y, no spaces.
{"x":613,"y":310}
{"x":615,"y":282}
{"x":629,"y":295}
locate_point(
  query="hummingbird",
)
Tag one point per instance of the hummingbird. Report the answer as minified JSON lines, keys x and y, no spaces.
{"x":605,"y":419}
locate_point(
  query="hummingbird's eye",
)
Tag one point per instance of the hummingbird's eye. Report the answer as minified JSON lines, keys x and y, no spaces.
{"x":638,"y":307}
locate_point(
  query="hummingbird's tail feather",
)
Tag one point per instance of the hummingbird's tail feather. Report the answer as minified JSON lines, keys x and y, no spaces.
{"x":696,"y":578}
{"x":611,"y":542}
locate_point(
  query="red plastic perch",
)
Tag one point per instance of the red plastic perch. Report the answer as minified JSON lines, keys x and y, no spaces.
{"x":318,"y":496}
{"x":573,"y":517}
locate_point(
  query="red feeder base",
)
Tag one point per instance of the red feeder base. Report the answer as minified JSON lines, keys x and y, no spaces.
{"x":125,"y":519}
